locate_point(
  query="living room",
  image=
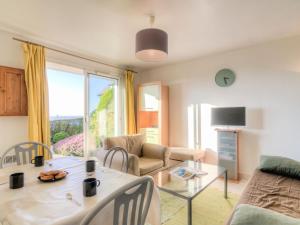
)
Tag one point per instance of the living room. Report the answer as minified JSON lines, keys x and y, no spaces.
{"x":197,"y":99}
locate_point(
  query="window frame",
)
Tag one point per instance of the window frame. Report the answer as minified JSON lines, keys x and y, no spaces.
{"x":86,"y":73}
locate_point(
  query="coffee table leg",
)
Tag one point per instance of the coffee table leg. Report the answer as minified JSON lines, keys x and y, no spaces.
{"x":189,"y":212}
{"x":225,"y":184}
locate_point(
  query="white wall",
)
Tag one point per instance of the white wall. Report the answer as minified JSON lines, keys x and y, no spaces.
{"x":267,"y":83}
{"x":13,"y":129}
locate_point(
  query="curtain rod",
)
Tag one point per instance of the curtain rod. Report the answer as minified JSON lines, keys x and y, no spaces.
{"x":71,"y":54}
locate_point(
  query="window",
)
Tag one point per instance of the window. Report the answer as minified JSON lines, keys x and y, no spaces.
{"x":83,"y":110}
{"x":103,"y":119}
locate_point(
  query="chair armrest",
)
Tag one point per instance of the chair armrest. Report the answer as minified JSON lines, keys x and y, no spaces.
{"x":133,"y":161}
{"x":155,"y":151}
{"x":133,"y":165}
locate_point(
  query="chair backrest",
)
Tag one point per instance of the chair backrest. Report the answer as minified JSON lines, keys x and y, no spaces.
{"x":24,"y":152}
{"x":109,"y":156}
{"x":134,"y":198}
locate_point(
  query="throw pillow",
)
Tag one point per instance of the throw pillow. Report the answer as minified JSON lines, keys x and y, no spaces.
{"x":252,"y":215}
{"x":280,"y":165}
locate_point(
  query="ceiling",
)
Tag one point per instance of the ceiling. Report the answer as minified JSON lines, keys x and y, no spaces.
{"x":105,"y":29}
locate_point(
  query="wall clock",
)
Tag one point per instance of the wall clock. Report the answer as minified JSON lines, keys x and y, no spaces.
{"x":225,"y":78}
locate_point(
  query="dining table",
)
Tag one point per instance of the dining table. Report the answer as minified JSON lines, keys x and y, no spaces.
{"x":62,"y":202}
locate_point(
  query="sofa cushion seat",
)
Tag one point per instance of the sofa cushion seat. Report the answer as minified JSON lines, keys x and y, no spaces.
{"x":148,"y":165}
{"x":273,"y":192}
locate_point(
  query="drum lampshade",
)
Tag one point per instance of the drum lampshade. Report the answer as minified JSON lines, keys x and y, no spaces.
{"x":151,"y":45}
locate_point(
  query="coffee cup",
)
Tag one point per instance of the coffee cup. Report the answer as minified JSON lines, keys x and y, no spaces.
{"x":38,"y":161}
{"x":90,"y":166}
{"x":16,"y":180}
{"x":90,"y":186}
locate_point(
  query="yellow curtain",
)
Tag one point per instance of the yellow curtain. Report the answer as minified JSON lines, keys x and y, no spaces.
{"x":37,"y":92}
{"x":129,"y":103}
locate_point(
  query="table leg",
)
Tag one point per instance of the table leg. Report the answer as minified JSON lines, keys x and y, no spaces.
{"x":189,"y":212}
{"x":225,"y":184}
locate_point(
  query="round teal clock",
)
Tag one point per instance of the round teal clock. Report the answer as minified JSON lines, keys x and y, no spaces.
{"x":225,"y":78}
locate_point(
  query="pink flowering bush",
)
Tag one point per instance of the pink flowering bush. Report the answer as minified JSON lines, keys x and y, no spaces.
{"x":70,"y":146}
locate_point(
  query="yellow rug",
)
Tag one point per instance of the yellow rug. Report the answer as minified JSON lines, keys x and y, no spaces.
{"x":209,"y":208}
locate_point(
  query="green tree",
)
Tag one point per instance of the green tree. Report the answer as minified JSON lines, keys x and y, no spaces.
{"x":105,"y":99}
{"x":60,"y":136}
{"x":106,"y":102}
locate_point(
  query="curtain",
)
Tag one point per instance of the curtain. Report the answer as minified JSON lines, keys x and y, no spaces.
{"x":130,"y":127}
{"x":37,"y":93}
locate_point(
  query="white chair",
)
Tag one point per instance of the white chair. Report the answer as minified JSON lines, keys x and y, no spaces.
{"x":110,"y":155}
{"x":134,"y":199}
{"x":22,"y":153}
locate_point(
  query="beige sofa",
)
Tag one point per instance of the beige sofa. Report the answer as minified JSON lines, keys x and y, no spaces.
{"x":144,"y":158}
{"x":274,"y":192}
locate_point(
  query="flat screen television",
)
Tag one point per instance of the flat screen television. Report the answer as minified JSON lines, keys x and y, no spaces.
{"x":228,"y":116}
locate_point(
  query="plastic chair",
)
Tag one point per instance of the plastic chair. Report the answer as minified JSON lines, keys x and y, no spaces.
{"x":134,"y":199}
{"x":24,"y":152}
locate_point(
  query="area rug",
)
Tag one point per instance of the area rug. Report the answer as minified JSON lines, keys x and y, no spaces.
{"x":209,"y":208}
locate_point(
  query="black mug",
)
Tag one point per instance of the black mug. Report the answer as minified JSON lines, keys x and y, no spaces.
{"x":90,"y":186}
{"x":90,"y":166}
{"x":16,"y":180}
{"x":38,"y":161}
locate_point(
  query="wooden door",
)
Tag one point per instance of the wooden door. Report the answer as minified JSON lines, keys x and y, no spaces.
{"x":13,"y":95}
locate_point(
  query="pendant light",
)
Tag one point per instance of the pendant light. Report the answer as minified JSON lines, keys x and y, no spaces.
{"x":151,"y":44}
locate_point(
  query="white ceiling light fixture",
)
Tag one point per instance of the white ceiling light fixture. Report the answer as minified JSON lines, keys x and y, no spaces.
{"x":151,"y":44}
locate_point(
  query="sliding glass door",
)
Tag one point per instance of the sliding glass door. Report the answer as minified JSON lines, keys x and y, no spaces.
{"x":102,"y":110}
{"x":83,"y":110}
{"x":66,"y":108}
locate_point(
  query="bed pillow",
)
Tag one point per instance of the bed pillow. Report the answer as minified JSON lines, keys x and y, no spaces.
{"x":252,"y":215}
{"x":280,"y":165}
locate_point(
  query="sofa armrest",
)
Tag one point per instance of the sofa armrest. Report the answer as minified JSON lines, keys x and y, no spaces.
{"x":155,"y":151}
{"x":134,"y":165}
{"x":133,"y":161}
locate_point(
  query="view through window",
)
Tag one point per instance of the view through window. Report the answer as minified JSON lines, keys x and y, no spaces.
{"x":66,"y":107}
{"x":102,"y":110}
{"x":71,"y":133}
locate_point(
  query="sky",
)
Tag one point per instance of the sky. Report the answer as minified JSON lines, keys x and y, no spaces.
{"x":66,"y":92}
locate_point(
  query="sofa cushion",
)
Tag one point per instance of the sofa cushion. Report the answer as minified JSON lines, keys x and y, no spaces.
{"x":132,"y":144}
{"x":280,"y":165}
{"x":148,"y":165}
{"x":252,"y":215}
{"x":135,"y":144}
{"x":115,"y":142}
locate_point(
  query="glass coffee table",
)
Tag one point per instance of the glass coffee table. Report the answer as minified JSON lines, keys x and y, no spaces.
{"x":189,"y":189}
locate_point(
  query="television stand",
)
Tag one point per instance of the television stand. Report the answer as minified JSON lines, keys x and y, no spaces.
{"x":228,"y":151}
